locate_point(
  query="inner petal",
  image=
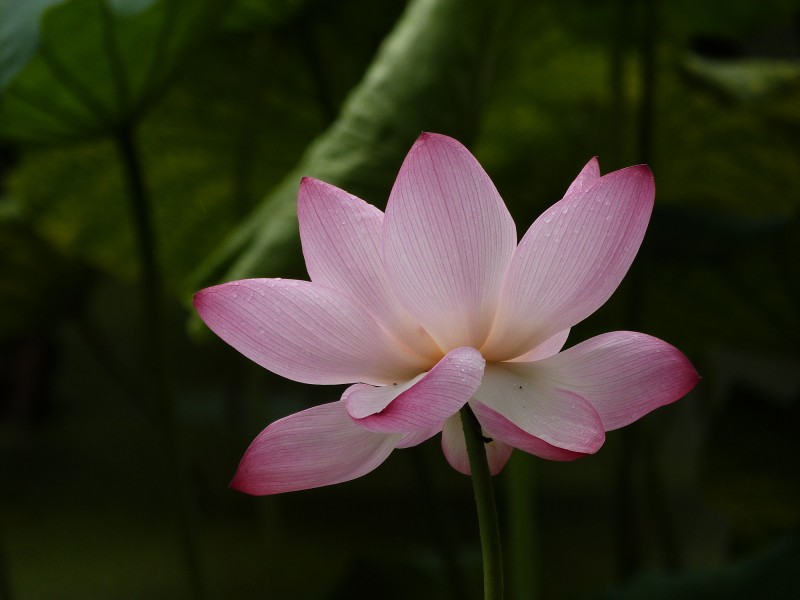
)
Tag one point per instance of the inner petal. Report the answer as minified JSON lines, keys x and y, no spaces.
{"x":423,"y":403}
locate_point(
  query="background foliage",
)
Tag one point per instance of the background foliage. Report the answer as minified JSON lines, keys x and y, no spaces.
{"x":227,"y":103}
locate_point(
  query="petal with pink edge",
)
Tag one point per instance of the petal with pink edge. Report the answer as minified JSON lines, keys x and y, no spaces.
{"x":454,"y":447}
{"x":448,"y":239}
{"x":313,"y":448}
{"x":541,"y":408}
{"x":585,"y":178}
{"x":571,"y":260}
{"x":501,"y":429}
{"x":343,"y":249}
{"x":623,"y":374}
{"x":425,"y":404}
{"x":305,"y":332}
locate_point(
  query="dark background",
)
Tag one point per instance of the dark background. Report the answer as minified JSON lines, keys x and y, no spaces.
{"x":122,"y":420}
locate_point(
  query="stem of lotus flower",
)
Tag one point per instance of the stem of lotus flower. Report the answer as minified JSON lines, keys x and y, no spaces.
{"x":485,"y":503}
{"x":157,"y":385}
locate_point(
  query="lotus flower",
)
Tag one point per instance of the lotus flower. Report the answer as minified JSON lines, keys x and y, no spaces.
{"x":434,"y":305}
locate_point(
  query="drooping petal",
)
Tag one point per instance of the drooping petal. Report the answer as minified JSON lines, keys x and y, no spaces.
{"x":313,"y":448}
{"x":425,"y":404}
{"x":571,"y":260}
{"x":624,"y":375}
{"x":305,"y":332}
{"x":454,"y":447}
{"x":549,"y":347}
{"x":343,"y":248}
{"x":540,"y":407}
{"x":448,"y":239}
{"x":501,"y":429}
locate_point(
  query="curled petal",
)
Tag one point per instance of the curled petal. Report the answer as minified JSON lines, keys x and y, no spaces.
{"x":501,"y":429}
{"x":342,"y":244}
{"x":448,"y":240}
{"x":454,"y":447}
{"x":424,"y":404}
{"x":571,"y":260}
{"x":558,"y":416}
{"x":305,"y":332}
{"x":313,"y":448}
{"x":623,"y":374}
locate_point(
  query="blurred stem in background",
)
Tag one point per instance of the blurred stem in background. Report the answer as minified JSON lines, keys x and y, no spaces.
{"x":617,"y":78}
{"x":157,"y":384}
{"x":439,"y":524}
{"x":523,"y":532}
{"x":485,"y":503}
{"x":635,"y":441}
{"x":5,"y":578}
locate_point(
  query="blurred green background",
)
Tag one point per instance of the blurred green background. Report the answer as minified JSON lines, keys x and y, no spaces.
{"x":149,"y":148}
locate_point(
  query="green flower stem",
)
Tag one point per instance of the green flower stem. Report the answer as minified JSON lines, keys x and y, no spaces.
{"x":157,"y":384}
{"x":487,"y":509}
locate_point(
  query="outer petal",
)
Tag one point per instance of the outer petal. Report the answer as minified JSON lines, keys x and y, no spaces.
{"x":343,"y":248}
{"x":424,"y":405}
{"x":540,"y":407}
{"x":316,"y":447}
{"x":304,"y":332}
{"x":571,"y":260}
{"x":448,"y":240}
{"x":623,"y":374}
{"x":501,"y":429}
{"x":454,"y":447}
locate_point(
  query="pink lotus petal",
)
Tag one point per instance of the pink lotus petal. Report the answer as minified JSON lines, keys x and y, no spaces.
{"x":424,"y":405}
{"x":454,"y":447}
{"x":448,"y":240}
{"x":316,"y":447}
{"x":415,"y":438}
{"x":522,"y":394}
{"x":571,"y":260}
{"x":585,"y":178}
{"x":501,"y":429}
{"x":549,"y":347}
{"x":304,"y":332}
{"x":623,"y":374}
{"x":364,"y":400}
{"x":343,"y":248}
